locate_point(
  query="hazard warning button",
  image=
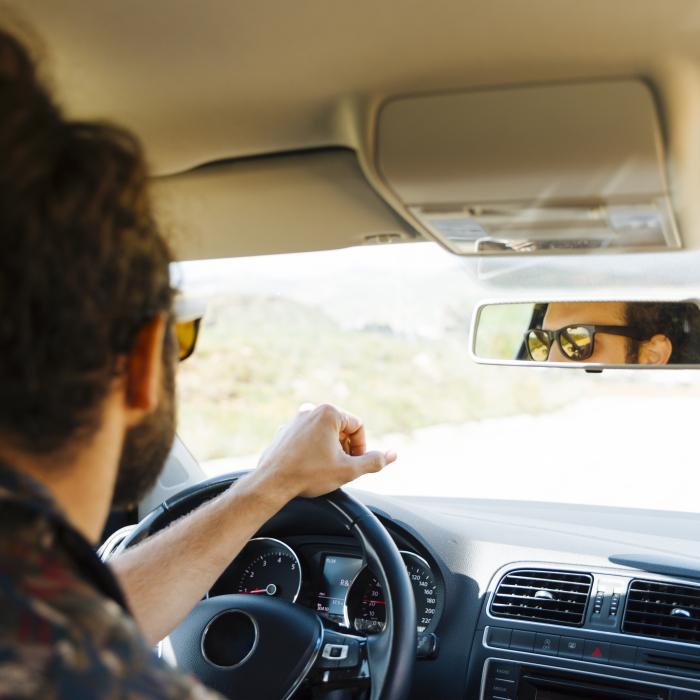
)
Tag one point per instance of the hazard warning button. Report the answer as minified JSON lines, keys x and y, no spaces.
{"x":596,"y":651}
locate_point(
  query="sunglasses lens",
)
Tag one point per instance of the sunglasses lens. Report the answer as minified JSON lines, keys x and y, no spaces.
{"x":538,"y":345}
{"x":186,"y":333}
{"x":576,"y":343}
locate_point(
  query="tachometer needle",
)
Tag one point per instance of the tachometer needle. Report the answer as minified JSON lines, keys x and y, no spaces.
{"x":270,"y":589}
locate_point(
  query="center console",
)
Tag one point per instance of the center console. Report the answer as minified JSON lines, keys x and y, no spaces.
{"x":548,"y":633}
{"x":508,"y":680}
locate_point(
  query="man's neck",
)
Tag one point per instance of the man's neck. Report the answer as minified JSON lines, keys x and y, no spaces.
{"x":81,"y":479}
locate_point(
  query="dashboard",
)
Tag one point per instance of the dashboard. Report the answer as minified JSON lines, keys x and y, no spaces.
{"x":330,"y":576}
{"x":515,"y":600}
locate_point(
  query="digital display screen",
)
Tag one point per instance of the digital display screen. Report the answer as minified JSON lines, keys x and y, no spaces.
{"x":338,"y":574}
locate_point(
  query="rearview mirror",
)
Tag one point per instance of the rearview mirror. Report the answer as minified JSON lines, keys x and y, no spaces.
{"x":588,"y":334}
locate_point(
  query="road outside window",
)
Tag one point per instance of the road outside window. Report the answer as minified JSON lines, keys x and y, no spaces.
{"x":383,"y":332}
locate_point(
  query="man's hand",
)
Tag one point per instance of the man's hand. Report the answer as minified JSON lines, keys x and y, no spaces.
{"x":319,"y":451}
{"x":315,"y":453}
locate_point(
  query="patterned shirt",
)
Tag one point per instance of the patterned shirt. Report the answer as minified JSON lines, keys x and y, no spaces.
{"x":65,"y":629}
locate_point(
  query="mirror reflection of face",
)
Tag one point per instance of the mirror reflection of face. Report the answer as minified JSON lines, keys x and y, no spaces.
{"x":609,"y":348}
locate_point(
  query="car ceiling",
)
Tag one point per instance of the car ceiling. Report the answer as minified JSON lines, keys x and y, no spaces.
{"x":213,"y":80}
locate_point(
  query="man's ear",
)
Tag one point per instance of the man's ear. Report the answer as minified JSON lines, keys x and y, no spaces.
{"x":144,"y":366}
{"x":656,"y":351}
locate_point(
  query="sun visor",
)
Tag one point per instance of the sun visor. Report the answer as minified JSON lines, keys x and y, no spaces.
{"x":557,"y":168}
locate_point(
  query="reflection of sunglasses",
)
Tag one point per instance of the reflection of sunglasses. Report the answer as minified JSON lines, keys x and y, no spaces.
{"x":186,"y":333}
{"x":576,"y":341}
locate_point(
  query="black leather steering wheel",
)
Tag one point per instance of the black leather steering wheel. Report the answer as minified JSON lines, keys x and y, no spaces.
{"x":259,"y":647}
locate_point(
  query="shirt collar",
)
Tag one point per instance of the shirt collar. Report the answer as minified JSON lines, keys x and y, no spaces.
{"x":19,"y":487}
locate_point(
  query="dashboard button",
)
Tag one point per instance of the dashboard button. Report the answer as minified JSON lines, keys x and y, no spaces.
{"x":327,"y":663}
{"x":547,"y":643}
{"x":623,"y":655}
{"x":498,"y":637}
{"x":504,"y":672}
{"x":503,"y":689}
{"x":352,"y":660}
{"x":522,"y":641}
{"x":571,"y":647}
{"x":596,"y":651}
{"x":502,"y":680}
{"x":426,"y":646}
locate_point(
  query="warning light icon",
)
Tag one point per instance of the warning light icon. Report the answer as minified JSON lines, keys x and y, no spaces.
{"x":597,"y":652}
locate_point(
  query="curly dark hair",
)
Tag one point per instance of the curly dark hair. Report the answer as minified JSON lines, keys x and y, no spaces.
{"x":678,"y":321}
{"x":82,"y":263}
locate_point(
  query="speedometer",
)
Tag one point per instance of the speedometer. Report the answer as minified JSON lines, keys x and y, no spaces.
{"x":366,"y":607}
{"x":266,"y":567}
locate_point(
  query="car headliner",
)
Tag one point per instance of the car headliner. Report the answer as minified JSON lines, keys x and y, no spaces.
{"x":201,"y":81}
{"x":220,"y":79}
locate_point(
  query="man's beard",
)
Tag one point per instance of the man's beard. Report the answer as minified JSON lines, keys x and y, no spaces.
{"x":146,"y":446}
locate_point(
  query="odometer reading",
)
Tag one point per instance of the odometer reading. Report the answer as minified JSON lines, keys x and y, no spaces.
{"x":367,"y":607}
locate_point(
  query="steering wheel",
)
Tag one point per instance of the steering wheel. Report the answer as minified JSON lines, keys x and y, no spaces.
{"x":263,"y":648}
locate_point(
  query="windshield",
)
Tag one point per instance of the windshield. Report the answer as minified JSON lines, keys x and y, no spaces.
{"x":383,"y":332}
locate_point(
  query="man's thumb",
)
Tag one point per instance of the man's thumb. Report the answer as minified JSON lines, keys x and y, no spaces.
{"x":373,"y":461}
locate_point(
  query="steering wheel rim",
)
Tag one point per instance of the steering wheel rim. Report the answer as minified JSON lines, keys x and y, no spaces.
{"x":389,"y":656}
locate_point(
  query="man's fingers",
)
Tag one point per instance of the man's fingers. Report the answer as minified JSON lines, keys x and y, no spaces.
{"x":355,"y":444}
{"x":349,"y":424}
{"x":352,"y":434}
{"x":372,"y":461}
{"x":352,"y":438}
{"x":351,"y":431}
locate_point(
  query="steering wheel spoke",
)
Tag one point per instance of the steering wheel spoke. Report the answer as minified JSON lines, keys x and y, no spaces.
{"x":342,"y":662}
{"x":250,"y":646}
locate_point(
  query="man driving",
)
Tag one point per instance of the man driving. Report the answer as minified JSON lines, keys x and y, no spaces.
{"x":615,"y":333}
{"x":87,"y":415}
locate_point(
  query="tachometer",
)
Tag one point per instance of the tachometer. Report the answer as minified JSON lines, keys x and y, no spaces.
{"x":266,"y":566}
{"x":366,"y":606}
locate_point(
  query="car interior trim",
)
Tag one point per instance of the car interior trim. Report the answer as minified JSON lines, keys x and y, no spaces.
{"x":581,"y":675}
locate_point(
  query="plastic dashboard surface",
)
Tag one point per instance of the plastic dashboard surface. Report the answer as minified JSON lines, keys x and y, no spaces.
{"x":479,"y":541}
{"x":471,"y":543}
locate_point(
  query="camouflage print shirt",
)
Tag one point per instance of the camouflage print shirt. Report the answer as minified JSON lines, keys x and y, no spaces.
{"x":65,"y":630}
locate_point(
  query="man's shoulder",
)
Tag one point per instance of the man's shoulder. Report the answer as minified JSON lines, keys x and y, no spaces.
{"x":51,"y":650}
{"x":61,"y":638}
{"x":69,"y":671}
{"x":41,"y":591}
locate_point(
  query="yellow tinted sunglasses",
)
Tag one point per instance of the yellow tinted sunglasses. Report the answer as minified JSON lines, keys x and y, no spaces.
{"x":186,"y":333}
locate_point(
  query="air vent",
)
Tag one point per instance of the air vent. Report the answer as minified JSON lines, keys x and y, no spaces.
{"x":663,"y":611}
{"x":543,"y":596}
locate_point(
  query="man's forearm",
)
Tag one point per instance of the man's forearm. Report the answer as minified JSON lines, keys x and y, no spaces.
{"x":165,"y":576}
{"x":316,"y":453}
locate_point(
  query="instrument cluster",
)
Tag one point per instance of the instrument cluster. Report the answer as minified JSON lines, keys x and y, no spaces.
{"x":333,"y":581}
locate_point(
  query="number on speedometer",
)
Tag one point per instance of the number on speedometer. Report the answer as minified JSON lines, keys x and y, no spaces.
{"x":367,"y":607}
